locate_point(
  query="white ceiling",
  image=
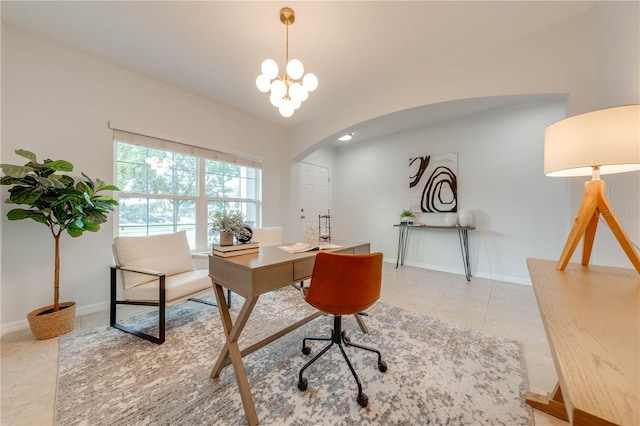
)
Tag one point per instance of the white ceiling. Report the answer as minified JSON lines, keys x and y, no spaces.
{"x":215,"y":48}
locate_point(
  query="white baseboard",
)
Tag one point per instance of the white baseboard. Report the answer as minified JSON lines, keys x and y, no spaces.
{"x":460,"y":271}
{"x":80,"y":311}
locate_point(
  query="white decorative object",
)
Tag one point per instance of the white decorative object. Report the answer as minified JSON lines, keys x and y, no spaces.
{"x":450,"y":219}
{"x":465,"y":217}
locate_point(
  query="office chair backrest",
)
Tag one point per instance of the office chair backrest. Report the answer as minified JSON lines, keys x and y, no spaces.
{"x":345,"y":283}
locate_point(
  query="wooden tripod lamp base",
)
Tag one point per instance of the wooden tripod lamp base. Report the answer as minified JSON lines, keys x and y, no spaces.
{"x":593,"y":205}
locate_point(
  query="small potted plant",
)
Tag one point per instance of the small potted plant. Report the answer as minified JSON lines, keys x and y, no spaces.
{"x":61,"y":203}
{"x":406,"y":217}
{"x":230,"y":225}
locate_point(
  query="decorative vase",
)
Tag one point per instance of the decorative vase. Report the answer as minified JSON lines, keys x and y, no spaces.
{"x":465,"y":218}
{"x":450,"y":219}
{"x":226,"y":238}
{"x":245,"y":238}
{"x":46,"y":323}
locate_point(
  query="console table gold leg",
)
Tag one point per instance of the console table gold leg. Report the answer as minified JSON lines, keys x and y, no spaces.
{"x":552,"y":403}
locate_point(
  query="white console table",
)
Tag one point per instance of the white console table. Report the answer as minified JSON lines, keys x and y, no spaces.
{"x":463,"y":235}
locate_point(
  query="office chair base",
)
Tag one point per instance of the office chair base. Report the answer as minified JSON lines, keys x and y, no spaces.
{"x":339,"y":337}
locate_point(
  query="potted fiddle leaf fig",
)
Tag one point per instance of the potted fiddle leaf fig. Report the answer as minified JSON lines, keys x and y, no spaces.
{"x":61,"y":203}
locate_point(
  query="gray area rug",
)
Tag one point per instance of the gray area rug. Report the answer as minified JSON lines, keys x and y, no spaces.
{"x":439,"y":373}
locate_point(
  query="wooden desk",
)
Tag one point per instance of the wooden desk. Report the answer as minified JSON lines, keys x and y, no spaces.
{"x":591,"y":316}
{"x":250,"y":276}
{"x":463,"y":235}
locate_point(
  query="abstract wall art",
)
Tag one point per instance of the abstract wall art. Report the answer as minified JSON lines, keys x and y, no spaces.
{"x":433,"y":183}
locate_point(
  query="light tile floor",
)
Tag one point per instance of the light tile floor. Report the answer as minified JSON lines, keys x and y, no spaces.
{"x":29,"y":367}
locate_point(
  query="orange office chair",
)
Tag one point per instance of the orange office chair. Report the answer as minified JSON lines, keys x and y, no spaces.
{"x":343,"y":284}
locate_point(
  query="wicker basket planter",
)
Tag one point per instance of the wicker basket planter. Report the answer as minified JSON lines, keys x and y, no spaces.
{"x":52,"y":324}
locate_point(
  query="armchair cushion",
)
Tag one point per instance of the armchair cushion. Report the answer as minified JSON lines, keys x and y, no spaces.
{"x":177,"y":287}
{"x":168,"y":253}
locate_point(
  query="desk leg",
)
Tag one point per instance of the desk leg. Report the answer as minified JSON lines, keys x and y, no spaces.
{"x":552,"y":403}
{"x":232,"y":350}
{"x":463,"y":234}
{"x":361,"y":323}
{"x":403,"y":233}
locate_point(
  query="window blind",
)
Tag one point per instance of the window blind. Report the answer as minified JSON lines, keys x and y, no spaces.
{"x":136,"y":137}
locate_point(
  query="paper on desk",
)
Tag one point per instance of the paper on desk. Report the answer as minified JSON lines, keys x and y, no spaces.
{"x":302,"y":247}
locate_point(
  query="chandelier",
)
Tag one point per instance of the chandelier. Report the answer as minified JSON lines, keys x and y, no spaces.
{"x":288,"y":91}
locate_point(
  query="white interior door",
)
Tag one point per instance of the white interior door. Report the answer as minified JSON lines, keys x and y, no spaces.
{"x":314,"y":197}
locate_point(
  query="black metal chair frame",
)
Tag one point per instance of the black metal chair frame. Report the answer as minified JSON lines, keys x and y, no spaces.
{"x":338,"y":336}
{"x":161,"y":304}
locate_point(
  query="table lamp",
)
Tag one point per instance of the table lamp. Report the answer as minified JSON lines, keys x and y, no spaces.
{"x":596,"y":143}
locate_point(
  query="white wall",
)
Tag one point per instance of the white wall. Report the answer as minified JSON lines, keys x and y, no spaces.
{"x":56,"y":103}
{"x":595,"y":58}
{"x":616,"y":82}
{"x":557,"y":59}
{"x":518,"y":211}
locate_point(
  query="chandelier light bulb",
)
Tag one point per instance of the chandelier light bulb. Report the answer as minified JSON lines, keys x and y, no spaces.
{"x":295,"y":103}
{"x":269,"y":68}
{"x":295,"y":91}
{"x":295,"y":69}
{"x":275,"y":100}
{"x":310,"y":82}
{"x":304,"y":93}
{"x":263,"y":83}
{"x":286,"y":109}
{"x":278,"y":88}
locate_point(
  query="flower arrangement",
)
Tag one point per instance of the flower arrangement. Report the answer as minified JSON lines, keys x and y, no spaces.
{"x":232,"y":222}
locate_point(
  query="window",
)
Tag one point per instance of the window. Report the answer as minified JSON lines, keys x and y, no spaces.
{"x":167,"y":187}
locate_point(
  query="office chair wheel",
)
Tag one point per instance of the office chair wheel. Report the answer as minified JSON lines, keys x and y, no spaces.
{"x":302,"y":384}
{"x":363,"y":400}
{"x":306,"y":350}
{"x":382,"y":366}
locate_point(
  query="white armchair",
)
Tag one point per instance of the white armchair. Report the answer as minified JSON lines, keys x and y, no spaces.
{"x":155,"y":270}
{"x":269,"y":236}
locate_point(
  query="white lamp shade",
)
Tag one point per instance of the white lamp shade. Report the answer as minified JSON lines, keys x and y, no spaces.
{"x":295,"y":103}
{"x":295,"y":69}
{"x":263,"y":83}
{"x":278,"y":88}
{"x":310,"y":82}
{"x":269,"y":68}
{"x":608,"y":138}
